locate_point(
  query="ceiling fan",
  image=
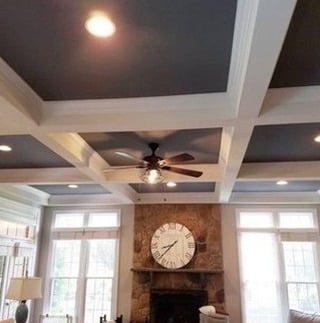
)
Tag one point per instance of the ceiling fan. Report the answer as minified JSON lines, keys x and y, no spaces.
{"x":154,"y":164}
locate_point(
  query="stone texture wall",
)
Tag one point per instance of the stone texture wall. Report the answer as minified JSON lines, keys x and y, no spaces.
{"x":204,"y":222}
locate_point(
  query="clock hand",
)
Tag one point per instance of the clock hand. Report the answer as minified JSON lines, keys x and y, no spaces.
{"x":169,"y":247}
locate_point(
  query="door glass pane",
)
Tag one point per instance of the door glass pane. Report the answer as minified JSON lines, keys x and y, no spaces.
{"x":66,"y":258}
{"x":303,"y":297}
{"x":301,"y":275}
{"x":260,"y":278}
{"x":63,"y":296}
{"x":98,"y":299}
{"x":101,"y":258}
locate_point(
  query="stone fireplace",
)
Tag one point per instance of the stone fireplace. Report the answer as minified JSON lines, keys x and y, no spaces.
{"x":199,"y":283}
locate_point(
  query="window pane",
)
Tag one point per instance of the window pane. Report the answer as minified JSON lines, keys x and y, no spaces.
{"x":303,"y":297}
{"x":260,"y":278}
{"x":300,"y":261}
{"x":109,"y":219}
{"x":69,"y":220}
{"x":256,"y":220}
{"x":66,"y":258}
{"x":98,"y":299}
{"x":63,"y":296}
{"x":296,"y":220}
{"x":101,"y":258}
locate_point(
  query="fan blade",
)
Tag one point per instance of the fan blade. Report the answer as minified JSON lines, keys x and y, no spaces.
{"x":126,"y":155}
{"x":183,"y":171}
{"x":113,"y":168}
{"x":178,"y":158}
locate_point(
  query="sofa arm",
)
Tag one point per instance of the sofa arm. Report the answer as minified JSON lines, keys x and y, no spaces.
{"x":301,"y":317}
{"x":216,"y":318}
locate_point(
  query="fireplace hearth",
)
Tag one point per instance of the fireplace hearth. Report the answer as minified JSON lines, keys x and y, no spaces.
{"x":176,"y":306}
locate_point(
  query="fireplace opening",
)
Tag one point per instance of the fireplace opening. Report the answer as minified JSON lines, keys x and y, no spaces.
{"x":176,"y":306}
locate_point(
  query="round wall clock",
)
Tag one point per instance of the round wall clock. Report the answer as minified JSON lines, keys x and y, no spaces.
{"x":172,"y":245}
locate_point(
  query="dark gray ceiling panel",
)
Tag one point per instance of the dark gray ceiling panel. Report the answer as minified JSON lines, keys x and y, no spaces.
{"x":160,"y":47}
{"x":299,"y":63}
{"x":277,"y":143}
{"x":28,"y":152}
{"x":83,"y":189}
{"x":265,"y":186}
{"x":180,"y":188}
{"x":203,"y":144}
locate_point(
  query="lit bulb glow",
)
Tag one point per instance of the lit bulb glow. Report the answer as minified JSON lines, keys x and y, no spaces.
{"x":73,"y":186}
{"x":282,"y":182}
{"x":152,"y":176}
{"x":171,"y":184}
{"x":100,"y":25}
{"x":317,"y":139}
{"x":5,"y":148}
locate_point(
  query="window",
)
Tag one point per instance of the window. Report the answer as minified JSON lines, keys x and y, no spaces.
{"x":84,"y":261}
{"x":18,"y":234}
{"x":278,"y":263}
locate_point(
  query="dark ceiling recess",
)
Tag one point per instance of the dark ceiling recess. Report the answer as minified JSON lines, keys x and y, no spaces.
{"x":264,"y":186}
{"x":280,"y":143}
{"x":193,"y":187}
{"x":82,"y":189}
{"x":160,"y":47}
{"x":299,"y":63}
{"x":203,"y":144}
{"x":28,"y":152}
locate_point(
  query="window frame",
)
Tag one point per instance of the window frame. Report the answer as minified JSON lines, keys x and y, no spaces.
{"x":280,"y":251}
{"x":84,"y":247}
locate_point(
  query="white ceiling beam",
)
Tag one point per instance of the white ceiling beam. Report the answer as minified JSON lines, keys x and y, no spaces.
{"x":136,"y":114}
{"x":169,"y":198}
{"x":24,"y":194}
{"x":280,"y":170}
{"x":86,"y":199}
{"x":275,"y":198}
{"x":291,"y":105}
{"x":18,"y":102}
{"x":44,"y":176}
{"x":76,"y":151}
{"x":260,"y":29}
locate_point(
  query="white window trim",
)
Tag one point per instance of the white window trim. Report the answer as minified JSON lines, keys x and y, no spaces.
{"x":275,"y":212}
{"x":85,"y":228}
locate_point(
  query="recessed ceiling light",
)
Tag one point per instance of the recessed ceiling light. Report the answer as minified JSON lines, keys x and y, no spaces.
{"x":171,"y":184}
{"x":282,"y":182}
{"x":5,"y":148}
{"x":100,"y":25}
{"x":317,"y":138}
{"x":73,"y":186}
{"x":318,"y":191}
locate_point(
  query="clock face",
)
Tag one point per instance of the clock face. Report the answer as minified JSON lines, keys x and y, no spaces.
{"x":172,"y":245}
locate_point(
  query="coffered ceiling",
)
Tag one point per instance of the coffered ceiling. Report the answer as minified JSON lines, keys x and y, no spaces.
{"x":236,"y":84}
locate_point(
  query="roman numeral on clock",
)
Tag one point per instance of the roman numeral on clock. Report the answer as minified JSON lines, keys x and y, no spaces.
{"x":191,"y":245}
{"x":156,"y":255}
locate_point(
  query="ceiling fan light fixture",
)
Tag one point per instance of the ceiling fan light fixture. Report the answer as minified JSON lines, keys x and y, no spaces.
{"x":152,"y":176}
